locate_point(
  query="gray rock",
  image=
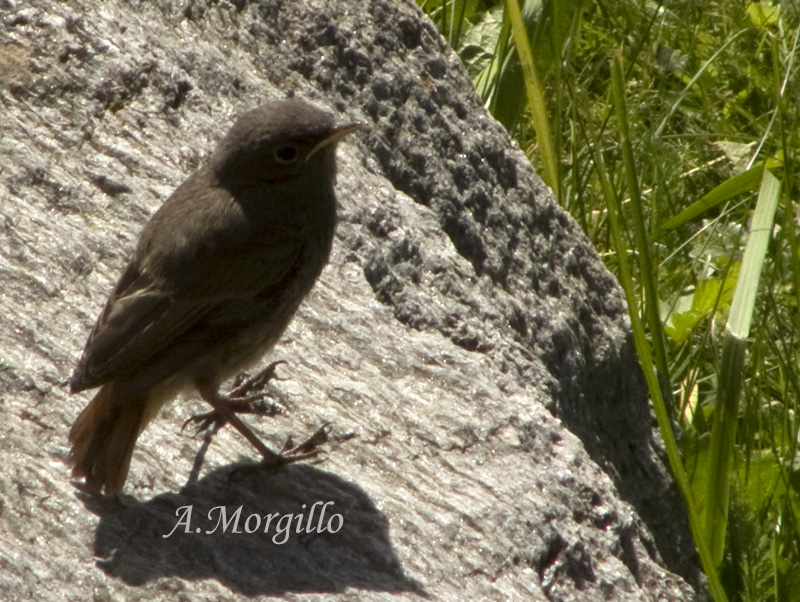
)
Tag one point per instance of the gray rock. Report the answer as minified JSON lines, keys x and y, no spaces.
{"x":465,"y":331}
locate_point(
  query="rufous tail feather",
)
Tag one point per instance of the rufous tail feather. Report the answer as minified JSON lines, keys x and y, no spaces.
{"x":103,"y":438}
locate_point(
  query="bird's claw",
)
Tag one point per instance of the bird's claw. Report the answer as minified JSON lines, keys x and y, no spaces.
{"x":296,"y":453}
{"x":239,"y":401}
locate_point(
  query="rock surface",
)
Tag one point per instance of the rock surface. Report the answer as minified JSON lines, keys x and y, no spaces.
{"x":465,"y":331}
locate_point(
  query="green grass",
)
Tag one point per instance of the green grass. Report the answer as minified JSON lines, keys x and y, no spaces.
{"x":670,"y":132}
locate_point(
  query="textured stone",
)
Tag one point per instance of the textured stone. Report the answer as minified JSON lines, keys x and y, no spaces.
{"x":465,"y":331}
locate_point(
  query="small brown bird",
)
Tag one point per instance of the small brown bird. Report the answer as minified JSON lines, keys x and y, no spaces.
{"x":217,"y":274}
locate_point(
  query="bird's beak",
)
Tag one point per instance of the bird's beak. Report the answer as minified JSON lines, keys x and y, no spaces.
{"x":336,"y":136}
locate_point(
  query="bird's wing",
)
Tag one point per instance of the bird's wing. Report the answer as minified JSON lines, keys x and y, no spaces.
{"x":154,"y":325}
{"x":138,"y":321}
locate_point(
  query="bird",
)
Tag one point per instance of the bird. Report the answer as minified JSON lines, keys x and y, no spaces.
{"x":216,"y":276}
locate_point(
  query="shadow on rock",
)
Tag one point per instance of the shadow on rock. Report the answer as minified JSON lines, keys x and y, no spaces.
{"x":139,"y":542}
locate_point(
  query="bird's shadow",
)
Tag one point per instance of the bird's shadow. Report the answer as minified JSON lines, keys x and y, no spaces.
{"x":180,"y":534}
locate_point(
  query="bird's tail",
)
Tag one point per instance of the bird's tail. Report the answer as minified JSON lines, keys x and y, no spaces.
{"x":103,"y":438}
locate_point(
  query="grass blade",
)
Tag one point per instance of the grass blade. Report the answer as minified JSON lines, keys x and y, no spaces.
{"x":647,"y":272}
{"x":744,"y":182}
{"x":535,"y":93}
{"x":715,"y":504}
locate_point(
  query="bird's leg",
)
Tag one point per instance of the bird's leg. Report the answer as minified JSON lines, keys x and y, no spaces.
{"x":221,"y":405}
{"x":239,"y":400}
{"x":256,"y":382}
{"x":307,"y":448}
{"x":224,"y":413}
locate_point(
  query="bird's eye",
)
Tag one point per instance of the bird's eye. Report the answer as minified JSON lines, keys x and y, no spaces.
{"x":286,"y":154}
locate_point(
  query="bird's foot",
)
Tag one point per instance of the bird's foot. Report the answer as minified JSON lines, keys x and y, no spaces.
{"x":310,"y":448}
{"x":242,"y":386}
{"x":240,"y":400}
